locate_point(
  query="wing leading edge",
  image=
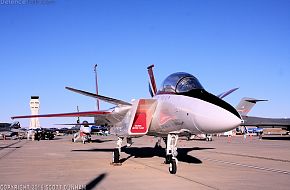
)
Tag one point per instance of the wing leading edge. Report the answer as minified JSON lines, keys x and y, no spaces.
{"x":109,"y":117}
{"x":73,"y":114}
{"x":103,"y":98}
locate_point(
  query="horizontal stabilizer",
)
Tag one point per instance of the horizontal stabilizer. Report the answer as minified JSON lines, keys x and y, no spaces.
{"x":252,"y":100}
{"x":103,"y":98}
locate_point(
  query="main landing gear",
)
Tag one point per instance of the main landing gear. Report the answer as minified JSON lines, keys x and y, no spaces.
{"x":171,"y":153}
{"x":208,"y":137}
{"x":117,"y":152}
{"x":86,"y":138}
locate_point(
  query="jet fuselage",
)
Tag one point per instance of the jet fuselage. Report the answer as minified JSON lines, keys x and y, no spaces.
{"x":184,"y":113}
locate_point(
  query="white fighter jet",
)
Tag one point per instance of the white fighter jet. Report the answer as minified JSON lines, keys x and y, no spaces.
{"x":84,"y":133}
{"x":179,"y":107}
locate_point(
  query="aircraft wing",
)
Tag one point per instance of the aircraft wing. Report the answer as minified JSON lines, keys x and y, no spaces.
{"x":104,"y":98}
{"x":73,"y":114}
{"x":103,"y":117}
{"x":266,"y":122}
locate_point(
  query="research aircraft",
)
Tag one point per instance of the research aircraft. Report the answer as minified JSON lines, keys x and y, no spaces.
{"x":84,"y":133}
{"x":179,"y":107}
{"x":83,"y":129}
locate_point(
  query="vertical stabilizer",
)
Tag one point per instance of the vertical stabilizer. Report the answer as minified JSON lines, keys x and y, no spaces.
{"x":152,"y":84}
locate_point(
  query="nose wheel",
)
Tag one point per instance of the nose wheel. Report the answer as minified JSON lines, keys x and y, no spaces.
{"x":173,"y":166}
{"x":171,"y":152}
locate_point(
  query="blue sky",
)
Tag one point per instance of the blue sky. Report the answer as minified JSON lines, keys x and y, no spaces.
{"x":226,"y":44}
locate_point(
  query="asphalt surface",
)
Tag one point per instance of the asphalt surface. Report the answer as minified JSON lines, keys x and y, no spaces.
{"x":221,"y":164}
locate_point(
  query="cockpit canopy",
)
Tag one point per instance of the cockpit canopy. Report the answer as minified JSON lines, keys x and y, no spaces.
{"x":180,"y":82}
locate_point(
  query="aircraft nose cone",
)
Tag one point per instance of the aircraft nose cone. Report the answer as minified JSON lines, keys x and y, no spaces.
{"x":218,"y":121}
{"x":230,"y":122}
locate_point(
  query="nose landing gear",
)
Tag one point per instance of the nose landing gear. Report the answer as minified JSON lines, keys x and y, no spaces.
{"x":171,"y":153}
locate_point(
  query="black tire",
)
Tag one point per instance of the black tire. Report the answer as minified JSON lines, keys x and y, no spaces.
{"x":116,"y":156}
{"x":173,"y":166}
{"x":72,"y":140}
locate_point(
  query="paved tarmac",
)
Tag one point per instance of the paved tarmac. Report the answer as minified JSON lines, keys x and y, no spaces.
{"x":221,"y":164}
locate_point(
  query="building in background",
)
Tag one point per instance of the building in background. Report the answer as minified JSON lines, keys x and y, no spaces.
{"x":34,"y":107}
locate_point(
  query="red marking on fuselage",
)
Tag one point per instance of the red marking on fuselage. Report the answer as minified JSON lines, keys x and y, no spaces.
{"x":139,"y":123}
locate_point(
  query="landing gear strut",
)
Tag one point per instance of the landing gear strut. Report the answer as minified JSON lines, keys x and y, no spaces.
{"x":117,"y":151}
{"x":129,"y":142}
{"x":171,"y":153}
{"x":158,"y":143}
{"x":208,"y":137}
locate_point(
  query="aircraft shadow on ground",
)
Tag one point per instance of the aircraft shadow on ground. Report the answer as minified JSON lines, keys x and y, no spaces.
{"x":276,"y":138}
{"x":3,"y":147}
{"x":95,"y":141}
{"x":92,"y":184}
{"x":149,"y":152}
{"x":55,"y":139}
{"x":100,"y":141}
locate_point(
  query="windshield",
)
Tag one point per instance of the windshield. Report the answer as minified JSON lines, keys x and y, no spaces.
{"x":180,"y":82}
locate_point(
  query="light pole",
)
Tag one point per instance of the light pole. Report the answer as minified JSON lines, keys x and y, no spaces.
{"x":97,"y":91}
